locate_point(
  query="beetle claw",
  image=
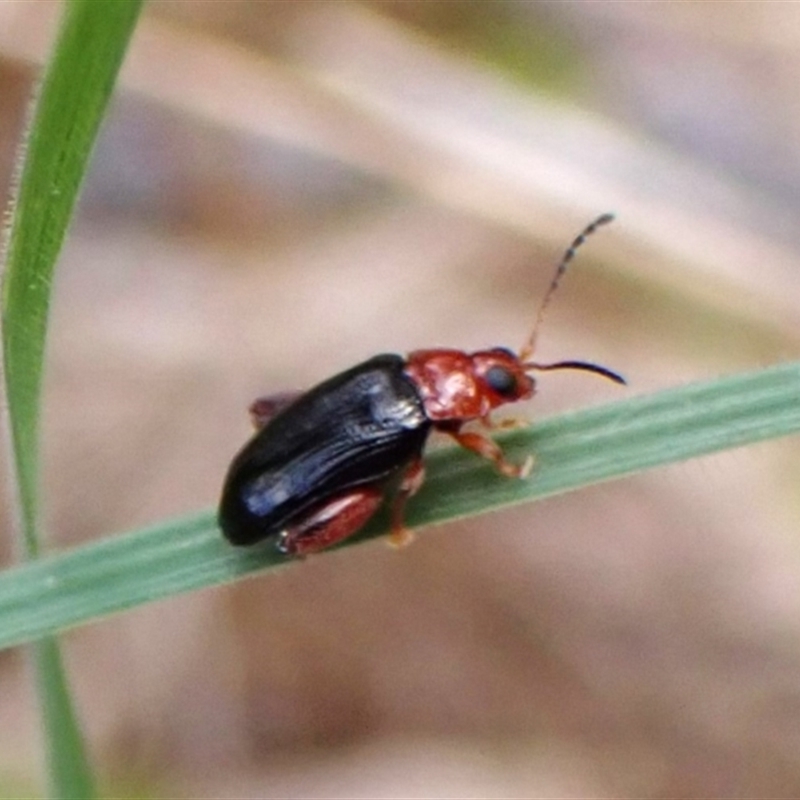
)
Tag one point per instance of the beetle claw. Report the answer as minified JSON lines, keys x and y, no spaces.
{"x":401,"y":537}
{"x":522,"y":470}
{"x":526,"y":467}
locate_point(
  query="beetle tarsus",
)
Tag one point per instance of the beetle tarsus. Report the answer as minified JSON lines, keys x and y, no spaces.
{"x":401,"y":537}
{"x":525,"y":468}
{"x":505,"y":424}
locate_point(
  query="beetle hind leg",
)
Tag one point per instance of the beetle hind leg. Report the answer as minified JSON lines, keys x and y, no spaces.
{"x":331,"y":523}
{"x":263,"y":409}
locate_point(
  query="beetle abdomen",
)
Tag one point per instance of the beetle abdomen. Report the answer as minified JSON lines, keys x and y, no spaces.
{"x":361,"y":427}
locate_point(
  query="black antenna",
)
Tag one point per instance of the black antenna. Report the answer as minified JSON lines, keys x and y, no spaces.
{"x":586,"y":366}
{"x":529,"y":347}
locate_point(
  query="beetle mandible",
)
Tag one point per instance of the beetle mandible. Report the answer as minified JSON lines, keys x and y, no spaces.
{"x":322,"y":462}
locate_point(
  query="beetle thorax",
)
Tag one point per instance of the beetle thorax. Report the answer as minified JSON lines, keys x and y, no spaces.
{"x":453,"y":385}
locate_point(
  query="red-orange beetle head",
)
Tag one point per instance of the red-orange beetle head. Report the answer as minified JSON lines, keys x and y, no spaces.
{"x":502,"y":377}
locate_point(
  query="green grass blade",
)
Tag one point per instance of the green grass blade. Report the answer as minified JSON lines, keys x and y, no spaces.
{"x":73,"y":97}
{"x":74,"y":94}
{"x":573,"y":450}
{"x":68,"y":769}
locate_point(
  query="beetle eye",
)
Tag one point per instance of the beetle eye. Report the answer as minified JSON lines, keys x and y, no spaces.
{"x":502,"y":381}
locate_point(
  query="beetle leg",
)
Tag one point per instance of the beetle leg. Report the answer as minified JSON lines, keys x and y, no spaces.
{"x":505,"y":424}
{"x":331,"y":523}
{"x":488,"y":448}
{"x":414,"y":477}
{"x":263,"y":409}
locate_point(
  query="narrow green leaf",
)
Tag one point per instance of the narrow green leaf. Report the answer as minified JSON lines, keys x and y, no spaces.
{"x":69,"y":773}
{"x":573,"y":450}
{"x":73,"y":97}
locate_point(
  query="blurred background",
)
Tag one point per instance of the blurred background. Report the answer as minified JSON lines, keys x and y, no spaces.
{"x":284,"y":189}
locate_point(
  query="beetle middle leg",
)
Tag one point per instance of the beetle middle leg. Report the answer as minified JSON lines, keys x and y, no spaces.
{"x":331,"y":523}
{"x":489,"y":449}
{"x":413,"y":479}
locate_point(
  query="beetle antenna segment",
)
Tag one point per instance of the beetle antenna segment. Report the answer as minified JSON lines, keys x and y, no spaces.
{"x":530,"y":345}
{"x":584,"y":365}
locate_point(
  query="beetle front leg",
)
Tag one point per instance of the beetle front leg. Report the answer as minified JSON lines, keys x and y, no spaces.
{"x":336,"y":520}
{"x":263,"y":409}
{"x":489,"y":449}
{"x":413,"y":479}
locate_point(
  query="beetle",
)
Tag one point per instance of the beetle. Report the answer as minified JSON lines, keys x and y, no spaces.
{"x":322,"y":462}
